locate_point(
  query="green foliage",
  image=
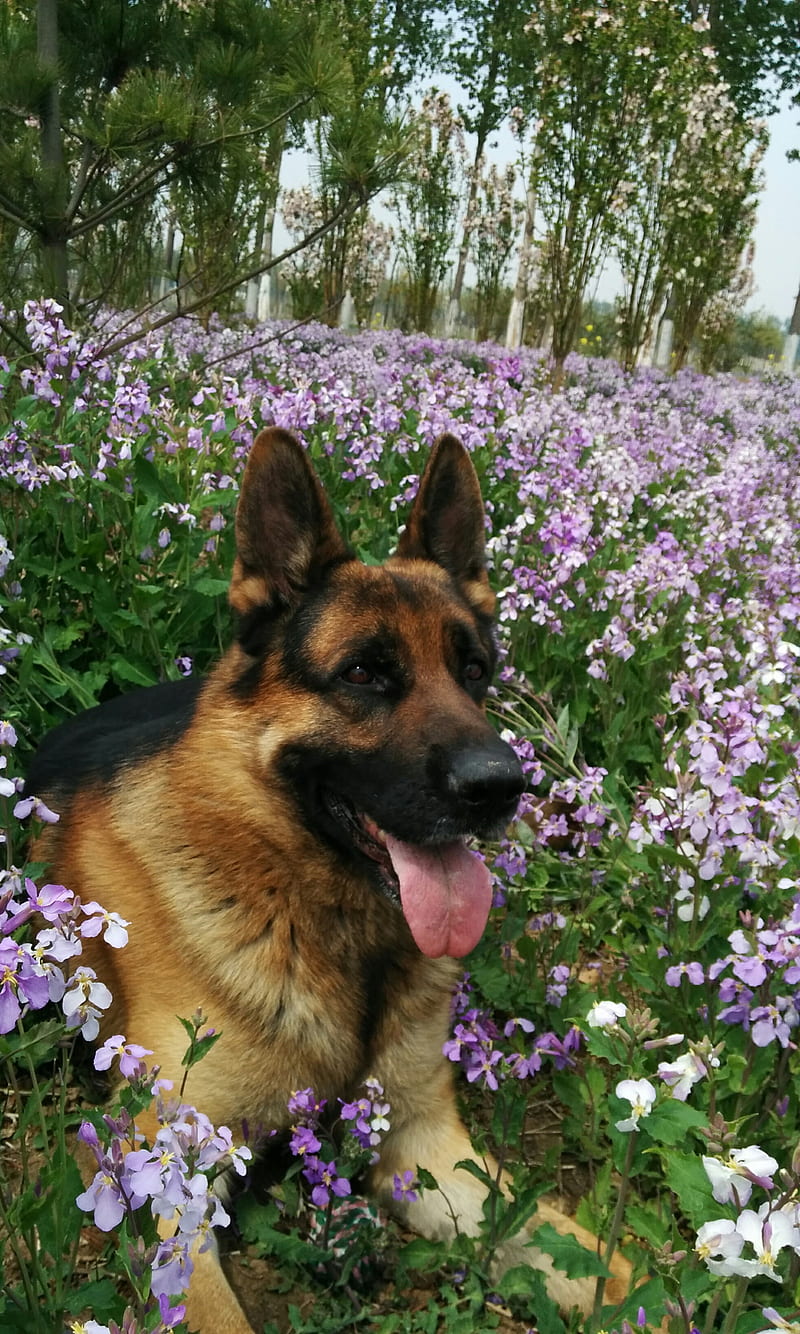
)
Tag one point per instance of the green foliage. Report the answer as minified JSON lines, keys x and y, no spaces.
{"x":428,"y":206}
{"x":755,"y":336}
{"x":156,"y":111}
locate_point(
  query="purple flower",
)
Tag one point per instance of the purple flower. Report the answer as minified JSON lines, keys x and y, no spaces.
{"x":172,"y":1268}
{"x":79,"y":1003}
{"x":52,"y":901}
{"x":8,"y":736}
{"x":34,"y":806}
{"x":325,"y":1180}
{"x":482,"y":1065}
{"x":21,"y":983}
{"x":513,"y":1026}
{"x":131,"y":1056}
{"x":170,"y":1315}
{"x":303,"y":1104}
{"x":405,"y":1187}
{"x":524,"y":1067}
{"x":771,"y":1023}
{"x":304,"y":1141}
{"x":693,"y":972}
{"x":105,"y":1200}
{"x":148,"y":1173}
{"x":562,"y":1050}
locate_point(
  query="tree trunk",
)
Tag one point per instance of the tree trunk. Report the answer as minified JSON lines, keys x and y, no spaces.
{"x":53,"y":234}
{"x":258,"y":303}
{"x":792,"y":339}
{"x":347,"y":312}
{"x":264,"y":306}
{"x":169,"y":259}
{"x":662,"y":350}
{"x":254,"y":285}
{"x":516,"y":314}
{"x":454,"y":304}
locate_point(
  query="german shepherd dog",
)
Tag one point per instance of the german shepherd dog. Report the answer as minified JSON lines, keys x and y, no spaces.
{"x":287,"y":837}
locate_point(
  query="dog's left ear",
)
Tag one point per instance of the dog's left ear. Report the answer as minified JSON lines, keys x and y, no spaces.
{"x":446,"y":523}
{"x":286,"y":535}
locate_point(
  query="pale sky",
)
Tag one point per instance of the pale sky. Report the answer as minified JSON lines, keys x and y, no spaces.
{"x":777,"y":236}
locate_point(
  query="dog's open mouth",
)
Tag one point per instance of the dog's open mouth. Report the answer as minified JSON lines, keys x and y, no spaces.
{"x":445,"y":890}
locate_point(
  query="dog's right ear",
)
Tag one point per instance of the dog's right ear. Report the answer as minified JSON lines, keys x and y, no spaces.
{"x":286,"y":535}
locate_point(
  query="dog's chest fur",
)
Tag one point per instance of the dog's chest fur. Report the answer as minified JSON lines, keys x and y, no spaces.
{"x":311,"y":976}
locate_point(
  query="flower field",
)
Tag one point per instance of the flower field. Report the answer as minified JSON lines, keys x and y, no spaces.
{"x":628,"y":1030}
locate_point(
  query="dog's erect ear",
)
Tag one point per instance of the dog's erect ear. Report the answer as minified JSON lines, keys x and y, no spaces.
{"x":446,"y":523}
{"x":286,"y":535}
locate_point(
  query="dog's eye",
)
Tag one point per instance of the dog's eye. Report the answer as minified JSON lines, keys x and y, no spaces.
{"x":474,"y":670}
{"x":358,"y":676}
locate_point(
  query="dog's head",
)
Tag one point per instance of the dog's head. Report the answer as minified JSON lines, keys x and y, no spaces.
{"x":382,"y":672}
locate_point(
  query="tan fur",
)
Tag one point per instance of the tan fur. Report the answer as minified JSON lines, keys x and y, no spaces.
{"x":237,"y":907}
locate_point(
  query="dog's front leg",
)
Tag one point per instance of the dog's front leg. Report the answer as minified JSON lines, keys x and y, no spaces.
{"x":434,"y":1137}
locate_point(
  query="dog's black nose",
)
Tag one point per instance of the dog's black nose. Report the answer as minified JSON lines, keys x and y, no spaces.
{"x":487,"y":776}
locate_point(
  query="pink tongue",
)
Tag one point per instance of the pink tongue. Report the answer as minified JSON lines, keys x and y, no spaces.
{"x":446,"y":893}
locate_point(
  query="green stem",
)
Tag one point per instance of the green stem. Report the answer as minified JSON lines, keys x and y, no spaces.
{"x":745,"y":1080}
{"x":735,"y":1307}
{"x":326,"y":1232}
{"x":711,"y":1315}
{"x":616,"y":1223}
{"x":24,"y":1262}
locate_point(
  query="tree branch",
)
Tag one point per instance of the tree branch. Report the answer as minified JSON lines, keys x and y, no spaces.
{"x":10,"y":211}
{"x":348,"y":206}
{"x":130,"y":193}
{"x":85,"y":174}
{"x":11,"y":333}
{"x":134,"y":191}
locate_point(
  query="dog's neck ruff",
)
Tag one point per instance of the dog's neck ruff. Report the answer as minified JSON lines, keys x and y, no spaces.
{"x":446,"y":893}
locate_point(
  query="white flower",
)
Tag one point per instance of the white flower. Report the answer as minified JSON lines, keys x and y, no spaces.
{"x":641,"y":1094}
{"x":685,"y":898}
{"x":720,"y":1243}
{"x":719,"y":1238}
{"x":682,"y":1074}
{"x":732,"y":1178}
{"x":606,"y":1013}
{"x":79,"y":1002}
{"x":768,"y":1234}
{"x":114,"y":933}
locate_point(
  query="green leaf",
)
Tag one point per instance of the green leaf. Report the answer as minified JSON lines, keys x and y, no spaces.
{"x":670,"y":1122}
{"x":422,"y":1254}
{"x":256,"y":1225}
{"x":606,"y":1046}
{"x":200,"y":1048}
{"x":476,"y":1171}
{"x":568,"y":1254}
{"x":686,"y":1178}
{"x":514,"y":1214}
{"x":59,"y":1221}
{"x":210,"y":586}
{"x":646,"y":1223}
{"x":527,"y":1285}
{"x":38,"y":1041}
{"x":97,"y":1295}
{"x":157,"y":486}
{"x":123,"y":670}
{"x":65,"y":636}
